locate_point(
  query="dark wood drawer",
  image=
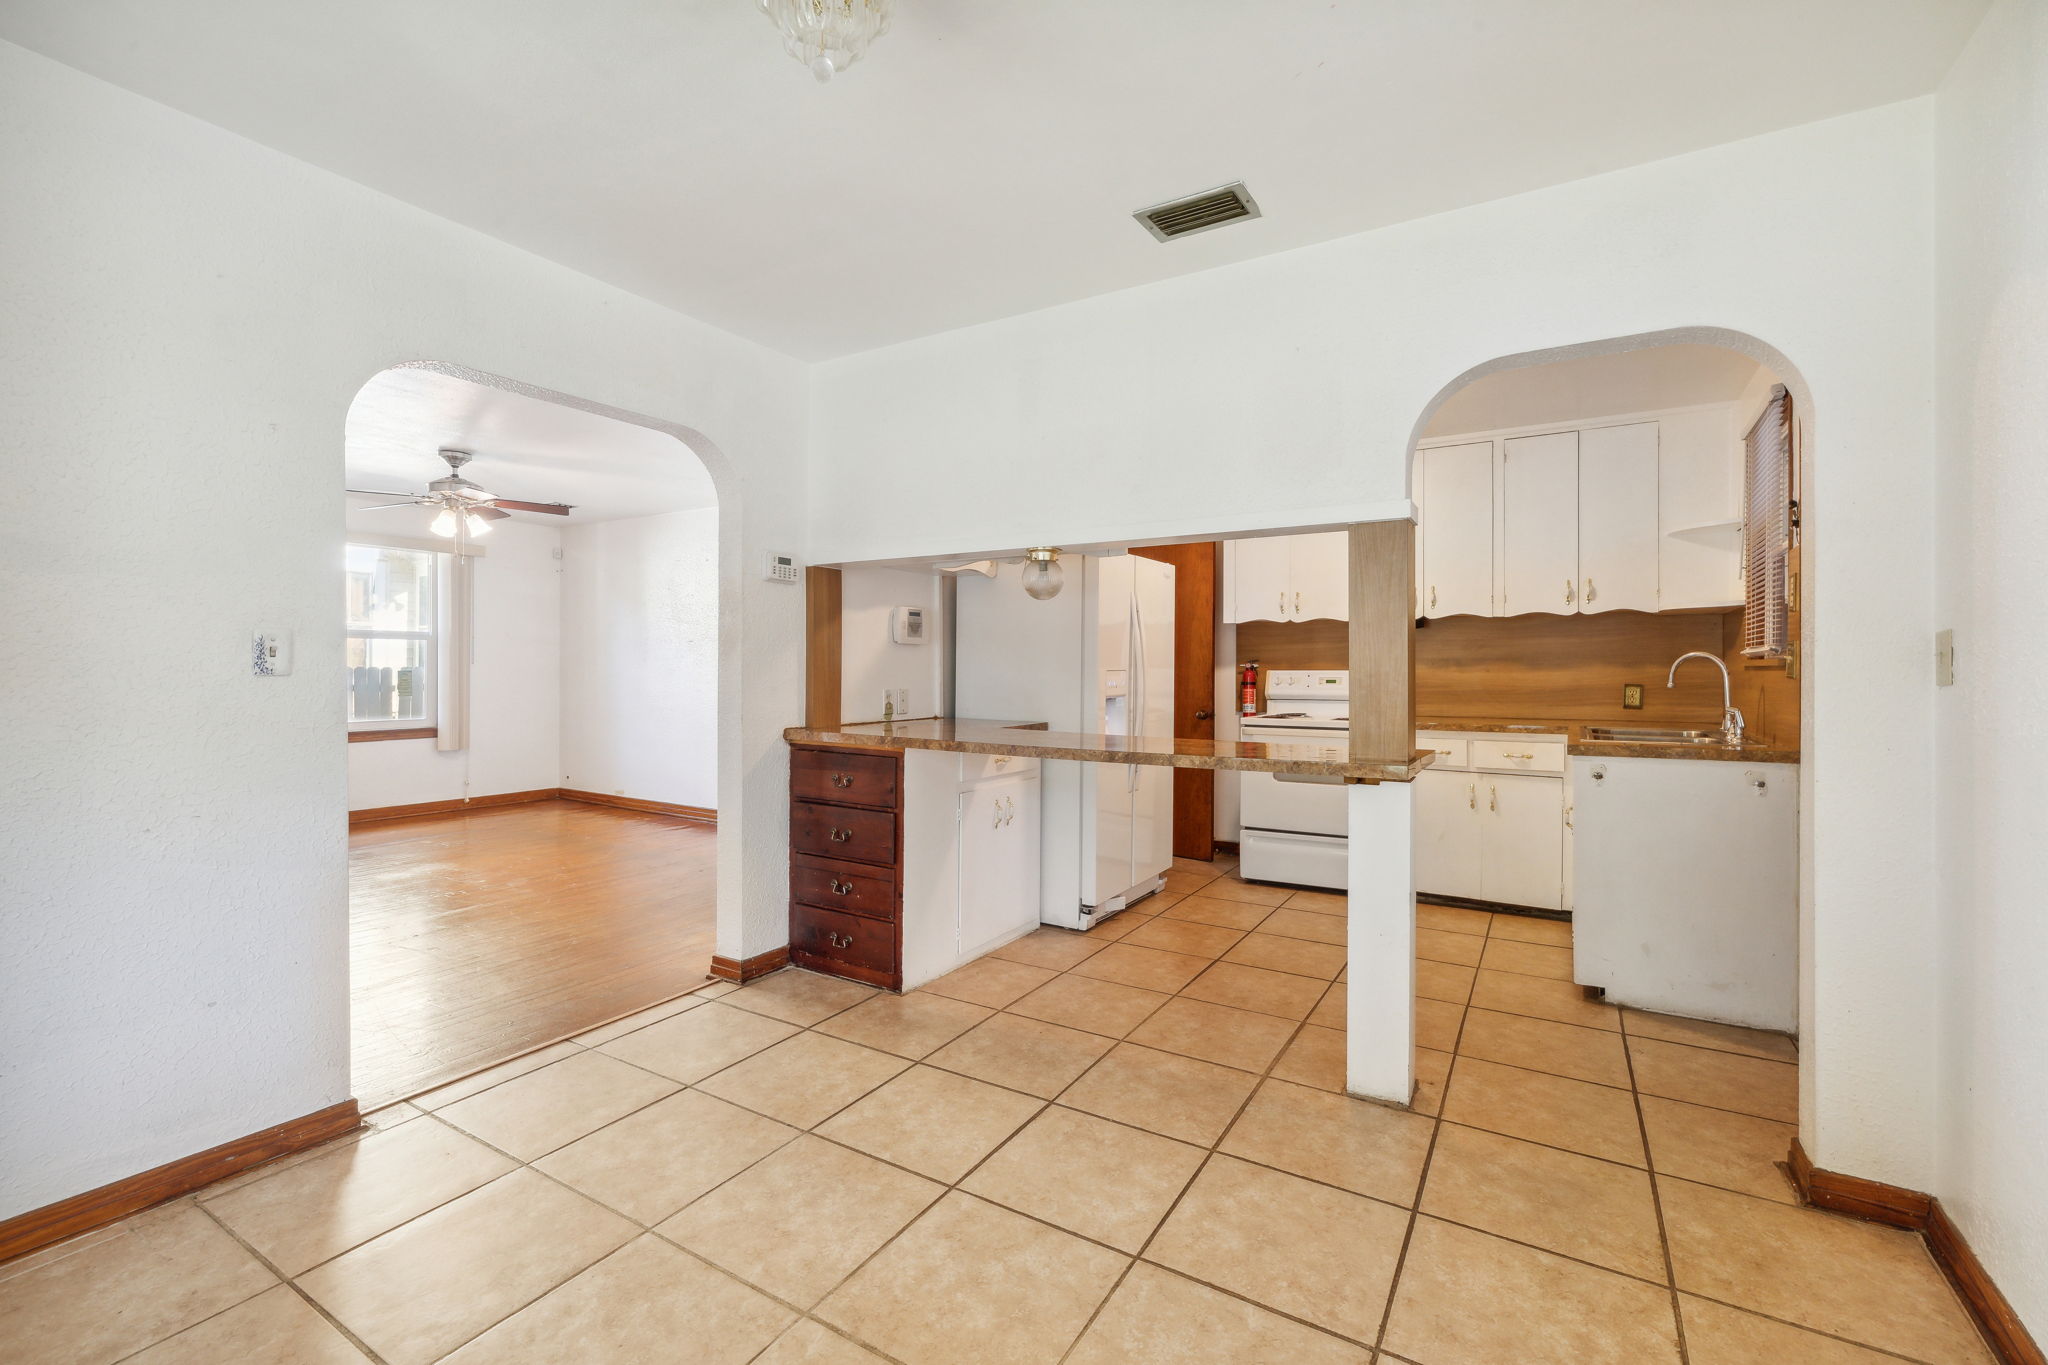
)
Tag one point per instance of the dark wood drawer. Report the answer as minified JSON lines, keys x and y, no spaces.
{"x":841,"y":832}
{"x":847,"y":779}
{"x":843,"y":886}
{"x":848,"y":945}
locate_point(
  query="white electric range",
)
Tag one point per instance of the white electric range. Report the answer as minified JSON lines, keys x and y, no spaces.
{"x":1294,"y":828}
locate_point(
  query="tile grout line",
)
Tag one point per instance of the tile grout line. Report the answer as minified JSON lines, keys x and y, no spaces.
{"x":290,"y":1283}
{"x":1656,"y":1198}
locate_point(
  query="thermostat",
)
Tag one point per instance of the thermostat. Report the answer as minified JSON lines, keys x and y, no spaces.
{"x":781,"y":568}
{"x":906,"y":625}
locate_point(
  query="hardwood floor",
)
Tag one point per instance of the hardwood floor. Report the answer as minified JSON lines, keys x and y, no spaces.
{"x":476,"y":937}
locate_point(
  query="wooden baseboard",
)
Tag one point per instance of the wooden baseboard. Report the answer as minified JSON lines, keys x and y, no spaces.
{"x":730,"y":969}
{"x":39,"y":1228}
{"x":707,"y":816}
{"x":1898,"y":1207}
{"x":364,"y":817}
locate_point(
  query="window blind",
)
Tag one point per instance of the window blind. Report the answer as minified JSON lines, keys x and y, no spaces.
{"x":1767,"y":530}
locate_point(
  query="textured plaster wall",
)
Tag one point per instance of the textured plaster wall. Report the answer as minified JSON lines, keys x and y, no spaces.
{"x":186,"y":317}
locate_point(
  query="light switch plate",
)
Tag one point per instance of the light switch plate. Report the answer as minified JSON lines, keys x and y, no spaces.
{"x":270,"y":653}
{"x":1944,"y":658}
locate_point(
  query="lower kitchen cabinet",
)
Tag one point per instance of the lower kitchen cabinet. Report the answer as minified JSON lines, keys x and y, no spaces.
{"x":1485,"y":831}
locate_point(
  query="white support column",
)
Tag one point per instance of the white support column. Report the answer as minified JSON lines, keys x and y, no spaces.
{"x":1379,"y":1050}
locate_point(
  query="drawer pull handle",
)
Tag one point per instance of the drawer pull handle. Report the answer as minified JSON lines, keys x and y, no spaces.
{"x":1493,"y":798}
{"x":840,"y":888}
{"x":839,"y":940}
{"x":840,"y":836}
{"x":1527,"y":757}
{"x":1472,"y":796}
{"x":841,"y":780}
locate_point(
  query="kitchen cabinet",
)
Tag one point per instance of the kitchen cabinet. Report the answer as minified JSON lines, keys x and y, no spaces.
{"x":1288,"y":578}
{"x":1455,"y":539}
{"x":996,"y":881}
{"x":1699,"y":509}
{"x":1540,"y":524}
{"x":1489,"y":819}
{"x":1618,"y":538}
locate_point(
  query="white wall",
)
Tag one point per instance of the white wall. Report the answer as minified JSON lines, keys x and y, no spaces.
{"x":514,"y":689}
{"x":639,"y":658}
{"x":870,"y":661}
{"x":1286,"y":392}
{"x":1993,"y":236}
{"x":187,"y":318}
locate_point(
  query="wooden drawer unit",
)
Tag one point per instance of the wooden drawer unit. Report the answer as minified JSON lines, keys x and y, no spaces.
{"x":850,"y":887}
{"x":845,"y":779}
{"x":845,"y":945}
{"x":843,"y":832}
{"x":845,"y":865}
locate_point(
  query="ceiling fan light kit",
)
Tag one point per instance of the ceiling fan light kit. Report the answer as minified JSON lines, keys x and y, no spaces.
{"x":465,"y":508}
{"x":827,"y":35}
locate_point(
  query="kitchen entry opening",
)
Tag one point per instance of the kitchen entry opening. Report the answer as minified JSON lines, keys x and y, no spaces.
{"x":530,"y":625}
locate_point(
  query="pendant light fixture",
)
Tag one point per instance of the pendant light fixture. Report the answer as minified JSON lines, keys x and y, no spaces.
{"x":827,"y":35}
{"x":1043,"y":577}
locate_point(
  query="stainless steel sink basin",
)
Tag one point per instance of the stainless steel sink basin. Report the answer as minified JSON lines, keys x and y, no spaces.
{"x":1599,"y":734}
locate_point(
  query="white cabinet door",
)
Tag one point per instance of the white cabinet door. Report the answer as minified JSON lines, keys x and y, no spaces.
{"x":1540,"y":524}
{"x":998,"y":863}
{"x":1447,"y":828}
{"x":1522,"y":850}
{"x":1455,"y":485}
{"x":1258,"y":572}
{"x":1320,"y":567}
{"x":1618,"y":518}
{"x":1699,"y":493}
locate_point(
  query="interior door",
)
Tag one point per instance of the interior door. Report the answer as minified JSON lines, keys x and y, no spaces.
{"x":1319,"y":566}
{"x":1618,"y":537}
{"x":1447,"y":834}
{"x":1522,"y":847}
{"x":1456,"y":487}
{"x":1258,"y":570}
{"x":1540,"y":524}
{"x":1197,"y":579}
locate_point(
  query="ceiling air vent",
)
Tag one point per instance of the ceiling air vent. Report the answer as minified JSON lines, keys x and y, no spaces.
{"x":1198,"y":212}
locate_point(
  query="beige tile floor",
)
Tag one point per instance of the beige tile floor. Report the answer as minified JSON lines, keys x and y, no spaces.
{"x":1123,"y":1146}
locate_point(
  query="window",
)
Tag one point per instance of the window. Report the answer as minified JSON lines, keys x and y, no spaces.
{"x":391,"y":638}
{"x":1769,"y":517}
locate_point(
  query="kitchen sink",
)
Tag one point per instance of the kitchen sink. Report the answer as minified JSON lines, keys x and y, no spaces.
{"x":1599,"y":734}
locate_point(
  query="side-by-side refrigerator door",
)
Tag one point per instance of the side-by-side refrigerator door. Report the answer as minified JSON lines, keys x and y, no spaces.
{"x":1109,"y":695}
{"x":1152,"y":654}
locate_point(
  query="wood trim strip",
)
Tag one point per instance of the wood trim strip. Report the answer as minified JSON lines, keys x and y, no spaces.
{"x":1898,"y":1207}
{"x":373,"y":813}
{"x":372,"y":736}
{"x":703,"y":814}
{"x":752,"y":968}
{"x":1382,"y":643}
{"x":53,"y":1223}
{"x":823,"y":651}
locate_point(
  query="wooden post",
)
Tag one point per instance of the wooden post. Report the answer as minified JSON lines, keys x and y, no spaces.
{"x":1383,"y":640}
{"x":822,"y":654}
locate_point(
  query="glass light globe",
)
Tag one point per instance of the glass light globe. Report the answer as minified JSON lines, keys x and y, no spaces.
{"x":444,"y":524}
{"x":475,"y":524}
{"x":1043,"y":577}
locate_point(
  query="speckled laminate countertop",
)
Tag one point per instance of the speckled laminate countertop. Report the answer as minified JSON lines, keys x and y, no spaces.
{"x":1577,"y":743}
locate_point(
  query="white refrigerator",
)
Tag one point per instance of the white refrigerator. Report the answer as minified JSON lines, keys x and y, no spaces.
{"x":1097,"y":659}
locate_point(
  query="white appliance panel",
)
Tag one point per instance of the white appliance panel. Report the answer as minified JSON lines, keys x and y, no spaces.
{"x":1298,"y":859}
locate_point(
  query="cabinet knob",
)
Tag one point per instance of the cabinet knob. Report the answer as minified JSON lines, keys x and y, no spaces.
{"x":841,"y":780}
{"x":1432,"y":597}
{"x":1591,"y":591}
{"x":1297,"y":604}
{"x":840,"y":836}
{"x":1472,"y":796}
{"x":1567,"y":592}
{"x":1493,"y":798}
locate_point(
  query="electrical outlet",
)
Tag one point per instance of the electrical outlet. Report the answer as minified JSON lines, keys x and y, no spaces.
{"x":1631,"y":696}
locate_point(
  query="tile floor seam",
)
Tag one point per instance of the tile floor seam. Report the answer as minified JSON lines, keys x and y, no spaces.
{"x":1626,"y":1090}
{"x":1656,"y":1200}
{"x":288,"y":1282}
{"x":1811,"y":1331}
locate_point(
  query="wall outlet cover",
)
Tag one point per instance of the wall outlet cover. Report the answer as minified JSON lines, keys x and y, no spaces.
{"x":1632,"y":696}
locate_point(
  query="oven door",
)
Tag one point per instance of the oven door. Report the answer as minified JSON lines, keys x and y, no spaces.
{"x":1294,"y":807}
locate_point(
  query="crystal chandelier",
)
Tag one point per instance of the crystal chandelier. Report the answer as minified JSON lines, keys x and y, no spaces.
{"x":827,"y":35}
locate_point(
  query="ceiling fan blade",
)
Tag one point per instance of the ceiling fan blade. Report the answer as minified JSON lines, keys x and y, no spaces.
{"x":490,"y":513}
{"x":380,"y":506}
{"x":558,"y":509}
{"x":381,"y":493}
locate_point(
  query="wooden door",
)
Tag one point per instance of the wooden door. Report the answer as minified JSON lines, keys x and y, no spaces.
{"x":1455,"y":484}
{"x":1618,"y":539}
{"x":1197,"y":579}
{"x":1540,"y":524}
{"x":1320,"y":568}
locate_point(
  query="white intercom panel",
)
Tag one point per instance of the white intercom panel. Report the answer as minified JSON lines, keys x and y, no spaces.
{"x":907,"y":625}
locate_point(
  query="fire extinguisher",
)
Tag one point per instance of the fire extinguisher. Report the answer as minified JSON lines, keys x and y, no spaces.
{"x":1248,"y":689}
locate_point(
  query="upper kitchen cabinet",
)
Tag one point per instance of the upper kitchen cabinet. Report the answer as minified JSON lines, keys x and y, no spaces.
{"x":1629,"y":516}
{"x":1618,"y":540}
{"x":1455,"y":487}
{"x":1539,"y":540}
{"x":1288,"y":578}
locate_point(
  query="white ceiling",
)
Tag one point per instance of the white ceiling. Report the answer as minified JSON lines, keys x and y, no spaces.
{"x":1646,"y":380}
{"x":525,"y":448}
{"x":984,"y":158}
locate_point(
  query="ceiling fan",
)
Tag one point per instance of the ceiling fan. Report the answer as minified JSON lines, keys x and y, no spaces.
{"x":464,"y":506}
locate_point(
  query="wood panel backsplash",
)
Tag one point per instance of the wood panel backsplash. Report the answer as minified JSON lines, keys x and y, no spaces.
{"x":1539,"y":667}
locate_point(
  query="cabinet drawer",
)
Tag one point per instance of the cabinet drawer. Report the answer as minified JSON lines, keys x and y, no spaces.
{"x":982,"y":767}
{"x":848,"y":779}
{"x":1517,"y":756}
{"x":864,"y":949}
{"x":843,"y":886}
{"x":861,"y":836}
{"x":1451,"y":751}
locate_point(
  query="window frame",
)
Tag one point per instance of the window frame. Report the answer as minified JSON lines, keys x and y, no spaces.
{"x":427,"y":724}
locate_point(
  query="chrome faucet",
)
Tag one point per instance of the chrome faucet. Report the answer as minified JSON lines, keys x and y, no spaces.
{"x":1731,"y":719}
